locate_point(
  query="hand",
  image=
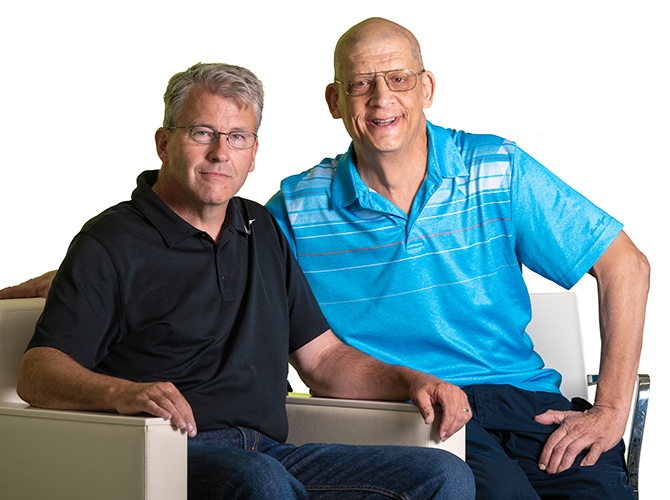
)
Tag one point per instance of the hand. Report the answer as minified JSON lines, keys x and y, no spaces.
{"x":35,"y":287}
{"x":595,"y":430}
{"x":429,"y":391}
{"x":161,"y":399}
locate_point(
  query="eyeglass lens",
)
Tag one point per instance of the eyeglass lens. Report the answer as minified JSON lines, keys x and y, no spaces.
{"x":207,"y":135}
{"x":400,"y":80}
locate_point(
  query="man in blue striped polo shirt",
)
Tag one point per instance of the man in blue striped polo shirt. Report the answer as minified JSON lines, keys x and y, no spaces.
{"x":413,"y":242}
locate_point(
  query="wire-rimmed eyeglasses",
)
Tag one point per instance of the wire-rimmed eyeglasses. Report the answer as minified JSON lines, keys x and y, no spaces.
{"x":203,"y":134}
{"x":398,"y":80}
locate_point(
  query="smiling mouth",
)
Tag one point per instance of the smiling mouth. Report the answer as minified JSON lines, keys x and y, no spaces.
{"x":383,"y":123}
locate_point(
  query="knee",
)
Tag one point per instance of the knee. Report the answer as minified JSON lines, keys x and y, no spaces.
{"x":255,"y":475}
{"x":215,"y":473}
{"x":452,"y":477}
{"x":258,"y":465}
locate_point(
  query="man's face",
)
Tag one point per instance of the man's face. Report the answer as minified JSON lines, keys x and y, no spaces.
{"x":201,"y":176}
{"x":382,"y":121}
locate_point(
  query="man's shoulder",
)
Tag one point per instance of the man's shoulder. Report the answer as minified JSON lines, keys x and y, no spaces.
{"x":112,"y":230}
{"x":468,"y":142}
{"x":110,"y":218}
{"x":479,"y":154}
{"x":319,"y":176}
{"x":310,"y":188}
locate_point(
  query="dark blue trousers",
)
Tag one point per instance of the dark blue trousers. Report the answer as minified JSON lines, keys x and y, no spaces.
{"x":504,"y":444}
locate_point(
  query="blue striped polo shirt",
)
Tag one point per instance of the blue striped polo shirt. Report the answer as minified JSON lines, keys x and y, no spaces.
{"x":441,"y":289}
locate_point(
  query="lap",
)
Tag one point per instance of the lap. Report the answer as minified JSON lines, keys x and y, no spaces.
{"x":504,"y":443}
{"x":325,"y":471}
{"x":216,"y":472}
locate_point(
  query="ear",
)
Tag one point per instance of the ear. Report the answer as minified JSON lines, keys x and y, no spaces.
{"x":428,"y":88}
{"x":332,"y":96}
{"x":161,"y":138}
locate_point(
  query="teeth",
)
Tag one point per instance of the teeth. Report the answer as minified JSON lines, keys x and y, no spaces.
{"x":383,"y":122}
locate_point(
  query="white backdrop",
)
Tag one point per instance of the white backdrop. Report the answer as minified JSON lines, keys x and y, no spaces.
{"x":582,"y":86}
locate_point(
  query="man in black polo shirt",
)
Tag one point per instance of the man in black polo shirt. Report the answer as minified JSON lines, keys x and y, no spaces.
{"x":186,"y":303}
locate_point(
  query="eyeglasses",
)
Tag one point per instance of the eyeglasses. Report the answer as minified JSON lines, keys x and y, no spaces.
{"x":202,"y":134}
{"x":398,"y":80}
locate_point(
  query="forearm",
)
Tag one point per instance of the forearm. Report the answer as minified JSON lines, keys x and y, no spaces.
{"x":331,"y":368}
{"x":347,"y":373}
{"x":48,"y":378}
{"x":622,"y":323}
{"x":35,"y":287}
{"x":622,"y":294}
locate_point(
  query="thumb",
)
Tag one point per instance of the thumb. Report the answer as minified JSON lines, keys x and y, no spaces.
{"x":550,"y":417}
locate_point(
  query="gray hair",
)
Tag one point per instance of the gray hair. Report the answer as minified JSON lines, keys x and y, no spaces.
{"x":224,"y":80}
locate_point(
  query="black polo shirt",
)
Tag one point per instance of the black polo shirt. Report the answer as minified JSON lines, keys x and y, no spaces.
{"x":145,"y":296}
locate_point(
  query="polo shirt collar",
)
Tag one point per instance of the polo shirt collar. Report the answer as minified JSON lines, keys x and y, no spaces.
{"x":444,"y":158}
{"x":171,"y":226}
{"x":444,"y":162}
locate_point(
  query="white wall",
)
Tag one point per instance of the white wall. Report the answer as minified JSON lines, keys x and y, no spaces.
{"x":583,"y":86}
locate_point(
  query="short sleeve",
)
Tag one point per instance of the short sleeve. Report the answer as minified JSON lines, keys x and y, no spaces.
{"x":559,"y":233}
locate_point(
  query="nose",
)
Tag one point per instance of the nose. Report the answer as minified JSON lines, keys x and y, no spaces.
{"x":381,"y":90}
{"x":219,"y":151}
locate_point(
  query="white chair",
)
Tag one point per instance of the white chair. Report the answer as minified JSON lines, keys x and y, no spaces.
{"x":71,"y":455}
{"x":80,"y":455}
{"x":556,"y":332}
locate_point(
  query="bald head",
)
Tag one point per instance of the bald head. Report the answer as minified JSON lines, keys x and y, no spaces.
{"x":373,"y":31}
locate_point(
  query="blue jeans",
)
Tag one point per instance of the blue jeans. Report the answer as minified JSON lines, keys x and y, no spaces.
{"x":241,"y":463}
{"x":503,"y":445}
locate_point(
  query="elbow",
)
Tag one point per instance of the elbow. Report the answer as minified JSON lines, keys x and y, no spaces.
{"x":24,"y":386}
{"x":27,"y":386}
{"x":23,"y":389}
{"x":624,"y":267}
{"x":647,"y":269}
{"x":641,"y":268}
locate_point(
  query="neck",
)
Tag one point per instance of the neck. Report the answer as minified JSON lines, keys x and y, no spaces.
{"x":395,"y":177}
{"x":205,"y":218}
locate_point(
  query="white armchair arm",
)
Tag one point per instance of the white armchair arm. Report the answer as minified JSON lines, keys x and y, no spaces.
{"x":78,"y":455}
{"x":68,"y":454}
{"x":348,"y":421}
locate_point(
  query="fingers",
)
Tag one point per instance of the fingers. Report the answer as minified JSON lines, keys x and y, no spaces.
{"x":560,"y":455}
{"x":559,"y":448}
{"x":577,"y":432}
{"x":454,"y":418}
{"x":455,"y":408}
{"x":592,"y":456}
{"x":553,"y":453}
{"x":161,"y":399}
